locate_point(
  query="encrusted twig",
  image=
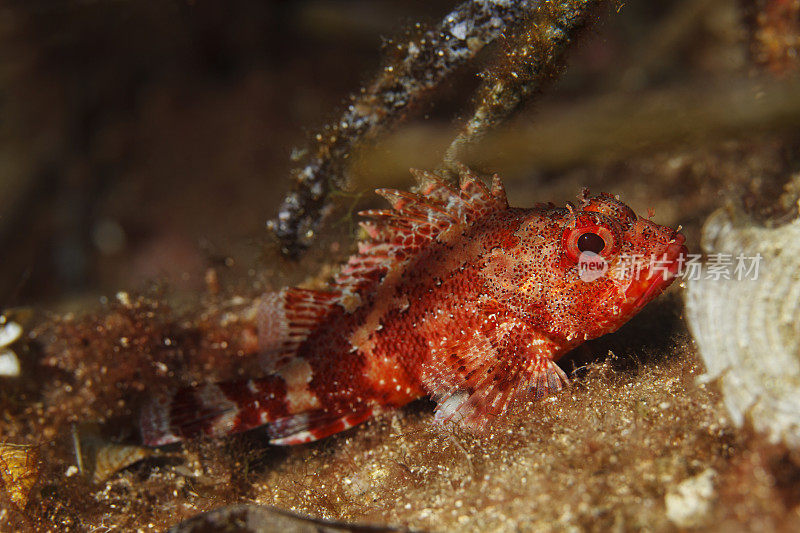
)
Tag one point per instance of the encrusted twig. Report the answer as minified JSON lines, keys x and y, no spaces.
{"x":423,"y":63}
{"x":775,"y":34}
{"x":533,"y":58}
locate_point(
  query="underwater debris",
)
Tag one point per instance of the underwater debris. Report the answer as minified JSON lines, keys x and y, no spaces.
{"x":9,"y":333}
{"x":747,"y":329}
{"x":19,"y":470}
{"x":424,"y":62}
{"x":775,"y":35}
{"x":689,"y":503}
{"x":264,"y":519}
{"x":533,"y":58}
{"x":98,"y":459}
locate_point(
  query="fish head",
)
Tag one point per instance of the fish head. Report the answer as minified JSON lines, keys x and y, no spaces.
{"x":633,"y":258}
{"x":583,"y":271}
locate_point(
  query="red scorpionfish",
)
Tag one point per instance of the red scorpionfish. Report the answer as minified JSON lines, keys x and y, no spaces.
{"x":454,"y":295}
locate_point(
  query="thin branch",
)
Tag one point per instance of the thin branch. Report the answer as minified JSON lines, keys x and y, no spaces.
{"x":533,"y":58}
{"x":539,"y":32}
{"x":425,"y":61}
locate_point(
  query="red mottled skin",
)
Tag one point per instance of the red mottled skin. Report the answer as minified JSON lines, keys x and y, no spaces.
{"x":454,"y":295}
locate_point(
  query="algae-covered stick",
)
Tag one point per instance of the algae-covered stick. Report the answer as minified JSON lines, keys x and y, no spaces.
{"x":421,"y":64}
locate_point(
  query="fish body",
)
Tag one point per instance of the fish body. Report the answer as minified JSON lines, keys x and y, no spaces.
{"x":453,"y":295}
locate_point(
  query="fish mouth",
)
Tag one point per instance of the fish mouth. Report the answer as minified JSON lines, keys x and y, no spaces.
{"x":652,"y":282}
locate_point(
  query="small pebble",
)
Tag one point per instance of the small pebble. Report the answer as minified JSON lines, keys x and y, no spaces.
{"x":689,"y":503}
{"x":9,"y":332}
{"x":9,"y":364}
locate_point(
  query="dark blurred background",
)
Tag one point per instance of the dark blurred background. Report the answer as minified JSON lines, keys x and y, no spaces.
{"x":144,"y":140}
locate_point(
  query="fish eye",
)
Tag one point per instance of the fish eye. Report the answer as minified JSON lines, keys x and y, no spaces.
{"x":591,"y":242}
{"x":590,"y":234}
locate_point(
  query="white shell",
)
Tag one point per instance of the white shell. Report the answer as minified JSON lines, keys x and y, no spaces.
{"x":9,"y":332}
{"x":98,"y":459}
{"x":9,"y":363}
{"x":748,"y":330}
{"x":19,"y":470}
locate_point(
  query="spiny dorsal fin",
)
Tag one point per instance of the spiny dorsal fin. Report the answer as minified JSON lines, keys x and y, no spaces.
{"x":416,"y":220}
{"x":470,"y":201}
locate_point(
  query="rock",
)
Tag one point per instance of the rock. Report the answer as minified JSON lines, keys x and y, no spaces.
{"x":264,"y":519}
{"x":688,"y":504}
{"x":9,"y":362}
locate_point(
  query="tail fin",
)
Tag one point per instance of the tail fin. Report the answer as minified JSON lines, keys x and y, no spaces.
{"x":216,"y":410}
{"x":205,"y":410}
{"x":314,"y":425}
